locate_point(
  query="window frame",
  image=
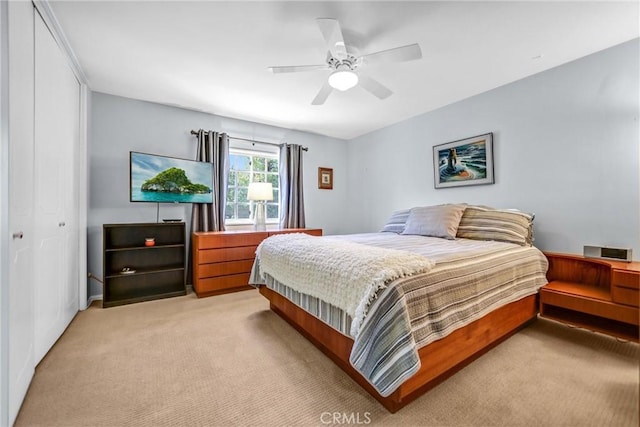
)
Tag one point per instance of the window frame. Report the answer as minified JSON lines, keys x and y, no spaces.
{"x":253,"y":153}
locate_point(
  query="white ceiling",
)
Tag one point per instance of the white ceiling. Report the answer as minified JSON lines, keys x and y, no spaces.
{"x":213,"y":56}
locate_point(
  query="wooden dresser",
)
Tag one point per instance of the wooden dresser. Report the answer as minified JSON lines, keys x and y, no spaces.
{"x":222,"y":260}
{"x":596,"y":294}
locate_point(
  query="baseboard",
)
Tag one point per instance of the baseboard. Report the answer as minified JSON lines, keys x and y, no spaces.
{"x":91,"y":299}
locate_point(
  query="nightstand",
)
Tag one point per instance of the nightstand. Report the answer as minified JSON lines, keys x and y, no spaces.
{"x":596,"y":294}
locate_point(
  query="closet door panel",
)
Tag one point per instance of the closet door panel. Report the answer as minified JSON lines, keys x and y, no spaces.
{"x":48,"y":293}
{"x":69,"y":191}
{"x":21,"y":204}
{"x":57,"y":123}
{"x":70,"y":276}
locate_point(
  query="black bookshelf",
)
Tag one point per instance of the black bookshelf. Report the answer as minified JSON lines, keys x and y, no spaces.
{"x":134,"y":272}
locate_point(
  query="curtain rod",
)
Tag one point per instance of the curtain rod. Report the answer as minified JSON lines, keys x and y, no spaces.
{"x":195,"y":132}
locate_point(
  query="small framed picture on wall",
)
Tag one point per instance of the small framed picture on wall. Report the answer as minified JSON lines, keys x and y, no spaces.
{"x":325,"y":178}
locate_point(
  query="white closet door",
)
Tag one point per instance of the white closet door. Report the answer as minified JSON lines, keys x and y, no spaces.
{"x":57,"y":123}
{"x":21,"y":160}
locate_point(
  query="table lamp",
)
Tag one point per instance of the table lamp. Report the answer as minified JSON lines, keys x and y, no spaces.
{"x":260,"y":192}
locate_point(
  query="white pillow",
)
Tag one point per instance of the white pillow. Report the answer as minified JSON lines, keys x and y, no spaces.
{"x":435,"y":221}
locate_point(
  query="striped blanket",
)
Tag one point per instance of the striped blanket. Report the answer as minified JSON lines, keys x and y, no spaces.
{"x":320,"y":267}
{"x":470,"y":279}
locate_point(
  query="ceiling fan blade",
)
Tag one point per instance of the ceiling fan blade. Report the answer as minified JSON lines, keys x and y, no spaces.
{"x":322,"y":96}
{"x":297,"y":68}
{"x":375,"y":87}
{"x":398,"y":54}
{"x":332,"y":33}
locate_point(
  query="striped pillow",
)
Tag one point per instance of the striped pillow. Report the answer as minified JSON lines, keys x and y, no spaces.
{"x":396,"y":223}
{"x":435,"y":221}
{"x":502,"y":225}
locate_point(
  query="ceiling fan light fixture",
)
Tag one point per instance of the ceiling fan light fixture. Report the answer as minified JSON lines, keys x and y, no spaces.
{"x":343,"y":79}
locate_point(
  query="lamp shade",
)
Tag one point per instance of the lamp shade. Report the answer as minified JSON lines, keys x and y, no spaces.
{"x":260,"y":191}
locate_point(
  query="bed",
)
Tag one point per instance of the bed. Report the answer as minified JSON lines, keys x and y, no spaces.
{"x":440,"y":298}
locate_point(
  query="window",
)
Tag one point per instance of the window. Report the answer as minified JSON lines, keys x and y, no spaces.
{"x":245,"y":167}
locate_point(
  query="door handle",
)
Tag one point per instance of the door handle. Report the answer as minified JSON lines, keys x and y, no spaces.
{"x":18,"y":235}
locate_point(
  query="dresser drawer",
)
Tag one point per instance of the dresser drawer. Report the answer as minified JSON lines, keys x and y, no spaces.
{"x":626,"y":279}
{"x":207,"y":256}
{"x":224,"y":268}
{"x":222,"y":283}
{"x":625,"y":296}
{"x":229,"y":240}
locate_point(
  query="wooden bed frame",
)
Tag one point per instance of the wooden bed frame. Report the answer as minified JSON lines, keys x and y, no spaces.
{"x":439,"y":360}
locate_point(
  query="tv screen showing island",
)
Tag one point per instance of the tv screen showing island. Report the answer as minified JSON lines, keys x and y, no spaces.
{"x":162,"y":179}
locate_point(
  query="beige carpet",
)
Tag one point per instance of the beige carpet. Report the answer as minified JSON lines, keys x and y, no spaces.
{"x":229,"y":361}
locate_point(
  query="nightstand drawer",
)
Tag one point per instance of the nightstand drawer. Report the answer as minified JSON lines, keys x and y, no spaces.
{"x":606,"y":309}
{"x":626,"y":279}
{"x":625,"y":296}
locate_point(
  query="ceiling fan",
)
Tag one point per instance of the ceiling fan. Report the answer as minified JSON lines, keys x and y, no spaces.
{"x":346,"y":67}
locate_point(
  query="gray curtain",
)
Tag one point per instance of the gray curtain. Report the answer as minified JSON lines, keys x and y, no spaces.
{"x":291,"y":194}
{"x":213,"y":147}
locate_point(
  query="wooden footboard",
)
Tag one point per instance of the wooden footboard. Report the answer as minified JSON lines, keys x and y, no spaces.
{"x":439,"y":360}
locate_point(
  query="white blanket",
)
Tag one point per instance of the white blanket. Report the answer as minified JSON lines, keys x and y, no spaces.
{"x":344,"y":274}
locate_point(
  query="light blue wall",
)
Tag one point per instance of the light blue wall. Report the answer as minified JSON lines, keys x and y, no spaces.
{"x":119,"y":125}
{"x":566,"y":147}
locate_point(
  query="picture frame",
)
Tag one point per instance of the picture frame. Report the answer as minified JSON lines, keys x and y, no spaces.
{"x":464,"y":162}
{"x":325,"y":178}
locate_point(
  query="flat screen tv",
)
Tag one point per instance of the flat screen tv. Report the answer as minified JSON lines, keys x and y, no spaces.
{"x":162,"y":179}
